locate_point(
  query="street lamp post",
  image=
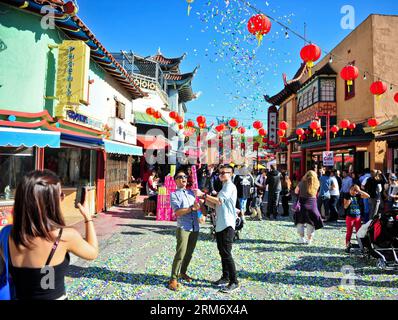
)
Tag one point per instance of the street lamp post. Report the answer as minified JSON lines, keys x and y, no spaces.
{"x":327,"y":115}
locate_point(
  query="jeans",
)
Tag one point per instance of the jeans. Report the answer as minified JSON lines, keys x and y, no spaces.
{"x":243,"y":205}
{"x":225,"y":239}
{"x":365,"y":210}
{"x":186,"y":243}
{"x":273,"y":202}
{"x":334,"y":214}
{"x":323,"y":201}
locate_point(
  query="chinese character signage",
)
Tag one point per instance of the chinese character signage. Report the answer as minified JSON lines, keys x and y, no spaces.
{"x":72,"y":75}
{"x":272,"y":125}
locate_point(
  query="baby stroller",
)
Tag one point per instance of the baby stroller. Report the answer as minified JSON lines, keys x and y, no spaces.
{"x":238,"y":226}
{"x":381,"y":240}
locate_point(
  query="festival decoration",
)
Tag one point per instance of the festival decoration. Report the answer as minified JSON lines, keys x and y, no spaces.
{"x":300,"y":132}
{"x":242,"y":130}
{"x":283,"y":125}
{"x":314,"y":126}
{"x":257,"y":125}
{"x":180,"y":126}
{"x":281,"y":133}
{"x":310,"y":53}
{"x":190,"y":124}
{"x":319,"y":132}
{"x":233,"y":123}
{"x":200,"y":119}
{"x":378,"y":88}
{"x":150,"y":111}
{"x":335,"y":129}
{"x":373,"y":123}
{"x":349,"y":74}
{"x":352,"y":127}
{"x":344,"y":124}
{"x":189,"y":6}
{"x":262,"y":132}
{"x":259,"y":25}
{"x":179,"y":120}
{"x":173,"y":115}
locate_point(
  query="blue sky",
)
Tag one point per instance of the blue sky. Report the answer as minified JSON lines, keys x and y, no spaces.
{"x":234,"y":72}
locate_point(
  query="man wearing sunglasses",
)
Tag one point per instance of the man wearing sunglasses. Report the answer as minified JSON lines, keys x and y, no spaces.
{"x":186,"y":208}
{"x":225,"y":204}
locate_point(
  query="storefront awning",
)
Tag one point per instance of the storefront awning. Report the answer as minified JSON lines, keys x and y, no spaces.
{"x":122,"y":148}
{"x":80,"y":141}
{"x":10,"y":137}
{"x":152,"y":142}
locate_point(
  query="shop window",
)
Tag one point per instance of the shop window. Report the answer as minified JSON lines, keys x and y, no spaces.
{"x":120,"y":110}
{"x":75,"y":167}
{"x":14,"y":164}
{"x":351,"y":94}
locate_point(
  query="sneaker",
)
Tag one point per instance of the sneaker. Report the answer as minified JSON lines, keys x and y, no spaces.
{"x":174,"y":285}
{"x":221,"y":282}
{"x":230,"y":288}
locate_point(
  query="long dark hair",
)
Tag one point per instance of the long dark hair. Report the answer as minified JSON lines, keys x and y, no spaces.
{"x":37,"y":208}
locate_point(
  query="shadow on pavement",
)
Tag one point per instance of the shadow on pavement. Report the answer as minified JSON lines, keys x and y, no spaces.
{"x":297,"y":248}
{"x":106,"y":275}
{"x":319,"y":281}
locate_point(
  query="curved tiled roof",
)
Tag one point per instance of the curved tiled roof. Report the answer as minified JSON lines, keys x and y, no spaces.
{"x":75,"y":29}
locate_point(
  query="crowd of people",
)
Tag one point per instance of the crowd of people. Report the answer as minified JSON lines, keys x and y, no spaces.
{"x":39,"y":237}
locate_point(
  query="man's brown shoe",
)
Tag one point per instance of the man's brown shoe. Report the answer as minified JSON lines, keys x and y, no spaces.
{"x":185,"y":277}
{"x":174,"y":285}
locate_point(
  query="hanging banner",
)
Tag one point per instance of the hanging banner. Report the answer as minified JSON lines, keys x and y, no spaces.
{"x":328,"y":159}
{"x":272,"y":125}
{"x":72,"y":75}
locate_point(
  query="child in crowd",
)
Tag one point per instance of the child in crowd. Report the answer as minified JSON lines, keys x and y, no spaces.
{"x":255,"y":206}
{"x":353,"y":210}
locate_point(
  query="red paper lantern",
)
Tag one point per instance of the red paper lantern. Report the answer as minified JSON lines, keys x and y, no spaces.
{"x":243,"y":145}
{"x":257,"y":125}
{"x":300,"y":132}
{"x":179,"y":120}
{"x":265,"y":140}
{"x":256,"y":145}
{"x":180,"y":127}
{"x":150,"y":111}
{"x":283,"y":125}
{"x":314,"y":126}
{"x":281,"y":133}
{"x":377,"y":88}
{"x":173,"y":115}
{"x":157,"y":115}
{"x":241,"y":130}
{"x":233,"y":123}
{"x":201,"y":119}
{"x":304,"y":136}
{"x":352,"y":126}
{"x":219,"y":128}
{"x":259,"y":25}
{"x":310,"y":53}
{"x":396,"y":97}
{"x":373,"y":123}
{"x":349,"y":73}
{"x":190,"y":124}
{"x":202,"y":125}
{"x":344,"y":124}
{"x":335,"y":129}
{"x":262,"y":132}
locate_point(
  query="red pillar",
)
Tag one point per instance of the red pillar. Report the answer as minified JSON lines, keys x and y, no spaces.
{"x":101,"y":164}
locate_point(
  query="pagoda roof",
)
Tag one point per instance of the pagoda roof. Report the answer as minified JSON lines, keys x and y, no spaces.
{"x":168,"y":64}
{"x":182,"y":82}
{"x":291,"y":87}
{"x":75,"y":29}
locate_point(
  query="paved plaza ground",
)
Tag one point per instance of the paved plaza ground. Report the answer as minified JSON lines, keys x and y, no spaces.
{"x":136,"y":255}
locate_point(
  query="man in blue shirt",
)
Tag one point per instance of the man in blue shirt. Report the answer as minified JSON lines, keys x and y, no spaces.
{"x":225,"y":204}
{"x":186,"y":209}
{"x":324,"y":192}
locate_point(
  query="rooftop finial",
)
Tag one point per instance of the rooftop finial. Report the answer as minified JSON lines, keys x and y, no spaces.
{"x":159,"y":52}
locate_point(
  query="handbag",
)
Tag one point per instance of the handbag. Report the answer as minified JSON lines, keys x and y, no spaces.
{"x":5,"y":286}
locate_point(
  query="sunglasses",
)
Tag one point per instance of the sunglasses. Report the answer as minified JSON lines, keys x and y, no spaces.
{"x":225,"y":172}
{"x":181,"y":177}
